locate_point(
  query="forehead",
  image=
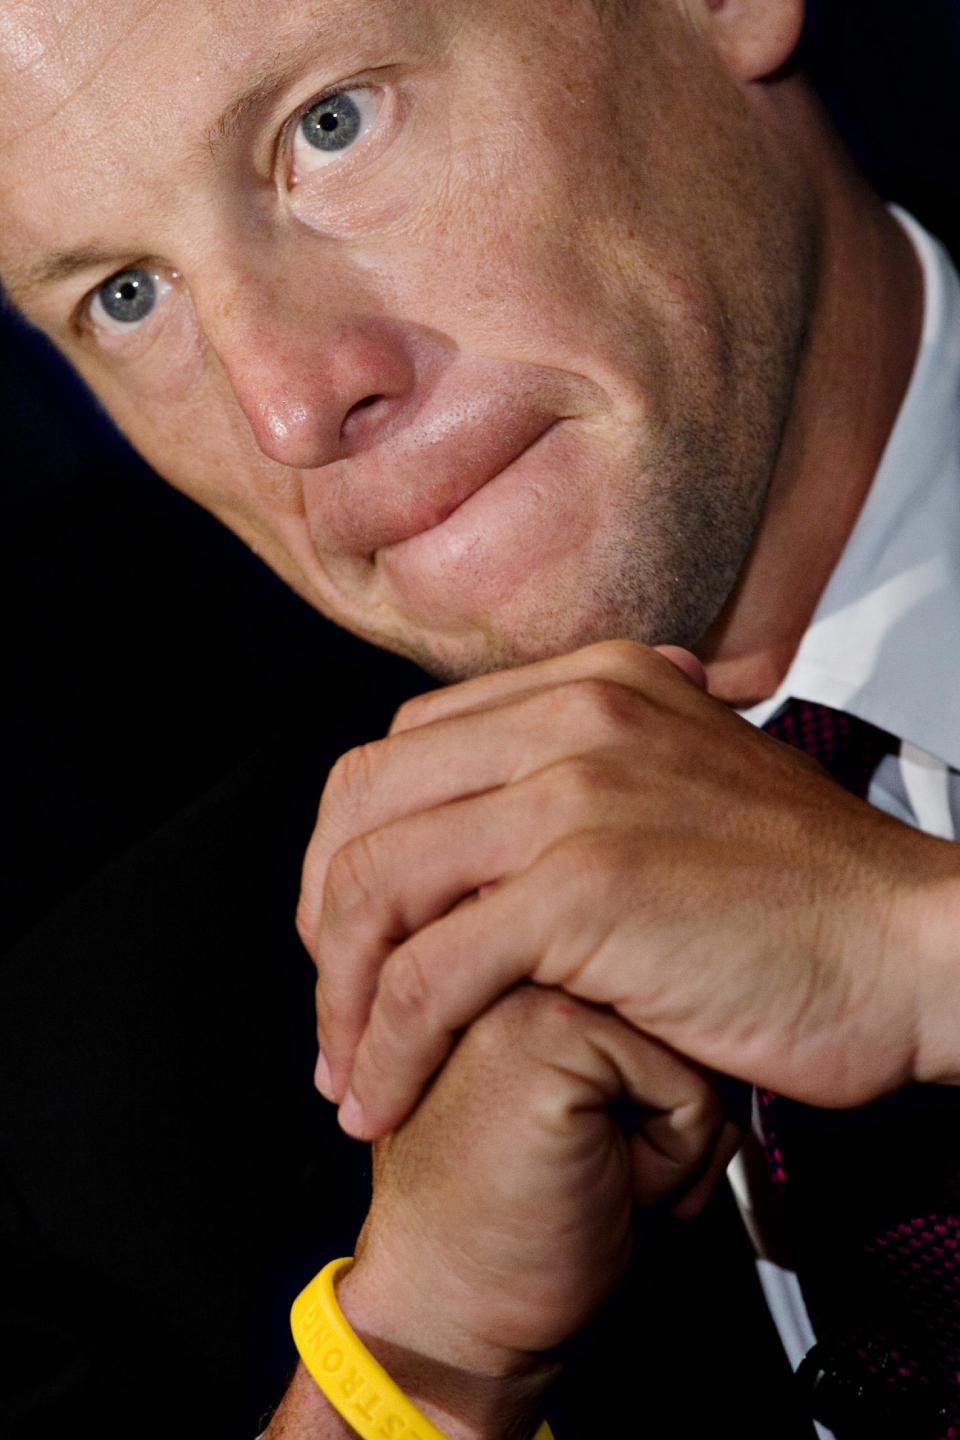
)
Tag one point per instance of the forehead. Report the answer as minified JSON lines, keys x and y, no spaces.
{"x":69,"y":54}
{"x":99,"y":102}
{"x":79,"y":82}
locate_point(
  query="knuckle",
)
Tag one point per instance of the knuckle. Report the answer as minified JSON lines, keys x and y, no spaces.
{"x":353,"y":774}
{"x":546,"y":1020}
{"x":578,"y":781}
{"x":413,"y":712}
{"x":620,"y":654}
{"x":404,"y":995}
{"x":305,"y":923}
{"x":598,"y":706}
{"x":353,"y":886}
{"x":336,"y":782}
{"x":705,"y":1105}
{"x":510,"y":1014}
{"x":558,"y":1012}
{"x":586,"y":856}
{"x":702,"y":1113}
{"x":510,"y":1027}
{"x":590,"y":870}
{"x":638,"y":668}
{"x":627,"y":661}
{"x":522,"y":1034}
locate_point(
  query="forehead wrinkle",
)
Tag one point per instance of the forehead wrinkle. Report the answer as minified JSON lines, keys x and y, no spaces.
{"x":229,"y":46}
{"x":23,"y":281}
{"x":43,"y":58}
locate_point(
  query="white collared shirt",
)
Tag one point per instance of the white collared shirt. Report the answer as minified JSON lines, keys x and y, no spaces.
{"x":884,"y":645}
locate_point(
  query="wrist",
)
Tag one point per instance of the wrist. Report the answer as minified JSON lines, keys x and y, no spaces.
{"x":470,"y":1389}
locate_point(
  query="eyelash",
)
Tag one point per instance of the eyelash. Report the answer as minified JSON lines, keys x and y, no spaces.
{"x":165,"y":281}
{"x":359,"y":85}
{"x":82,"y":318}
{"x":288,"y":132}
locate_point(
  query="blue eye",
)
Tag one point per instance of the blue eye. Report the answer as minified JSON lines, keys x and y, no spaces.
{"x":333,"y":124}
{"x":125,"y":300}
{"x":129,"y":296}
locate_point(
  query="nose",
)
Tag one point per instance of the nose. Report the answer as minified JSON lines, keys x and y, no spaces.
{"x":316,"y":382}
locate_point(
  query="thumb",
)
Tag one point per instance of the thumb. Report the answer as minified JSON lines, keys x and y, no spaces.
{"x":686,"y":661}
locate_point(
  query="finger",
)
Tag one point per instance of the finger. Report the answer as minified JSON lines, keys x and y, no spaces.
{"x":544,"y":709}
{"x":441,"y":979}
{"x":677,"y":1116}
{"x":668,"y":1107}
{"x":383,"y":887}
{"x":673,"y":1148}
{"x":430,"y":766}
{"x":638,"y":666}
{"x":686,"y":661}
{"x":695,"y":1199}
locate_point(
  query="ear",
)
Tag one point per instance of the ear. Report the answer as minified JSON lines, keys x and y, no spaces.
{"x":754,"y":38}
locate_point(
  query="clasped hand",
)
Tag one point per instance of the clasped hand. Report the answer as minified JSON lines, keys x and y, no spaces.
{"x":599,"y":824}
{"x":502,"y":1209}
{"x":552,"y":887}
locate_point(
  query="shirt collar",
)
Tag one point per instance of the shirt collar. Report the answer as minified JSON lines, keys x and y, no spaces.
{"x":884,"y":641}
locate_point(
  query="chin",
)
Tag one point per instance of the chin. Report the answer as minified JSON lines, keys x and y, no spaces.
{"x":501,"y":645}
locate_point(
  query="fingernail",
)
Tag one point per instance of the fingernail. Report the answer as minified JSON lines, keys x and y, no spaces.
{"x":351,"y":1116}
{"x":322,"y":1078}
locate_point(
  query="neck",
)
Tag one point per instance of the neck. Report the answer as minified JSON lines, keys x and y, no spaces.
{"x":860,"y":352}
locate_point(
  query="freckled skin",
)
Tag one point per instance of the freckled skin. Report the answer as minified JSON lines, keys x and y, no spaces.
{"x":573,"y":203}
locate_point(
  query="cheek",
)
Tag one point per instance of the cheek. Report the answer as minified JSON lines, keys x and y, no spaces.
{"x":165,"y":366}
{"x":396,"y":172}
{"x":519,"y":236}
{"x":193,"y":434}
{"x":494,"y":259}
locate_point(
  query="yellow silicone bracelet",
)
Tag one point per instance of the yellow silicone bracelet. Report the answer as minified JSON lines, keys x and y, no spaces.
{"x":357,"y":1387}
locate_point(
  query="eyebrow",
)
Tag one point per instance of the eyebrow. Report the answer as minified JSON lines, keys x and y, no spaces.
{"x":272,"y":76}
{"x":60,"y":265}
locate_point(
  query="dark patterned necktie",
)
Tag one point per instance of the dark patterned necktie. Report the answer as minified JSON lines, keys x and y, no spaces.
{"x":872,"y":1196}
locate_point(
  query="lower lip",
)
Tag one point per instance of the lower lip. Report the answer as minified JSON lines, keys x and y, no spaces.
{"x":493,"y":543}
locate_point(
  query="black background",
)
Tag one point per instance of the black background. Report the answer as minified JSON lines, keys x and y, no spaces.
{"x":148,"y":661}
{"x":141,"y":640}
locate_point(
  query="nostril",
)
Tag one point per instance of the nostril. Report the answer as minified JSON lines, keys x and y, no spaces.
{"x":363,"y":418}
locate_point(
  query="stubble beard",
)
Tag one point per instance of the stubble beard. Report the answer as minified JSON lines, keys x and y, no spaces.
{"x":680,"y":535}
{"x":695,"y":526}
{"x":692,"y":530}
{"x":682,"y":529}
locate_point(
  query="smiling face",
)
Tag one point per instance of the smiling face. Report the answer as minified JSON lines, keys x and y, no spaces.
{"x":478,"y":319}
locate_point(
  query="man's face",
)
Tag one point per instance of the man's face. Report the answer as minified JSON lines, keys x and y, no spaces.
{"x":478,"y":319}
